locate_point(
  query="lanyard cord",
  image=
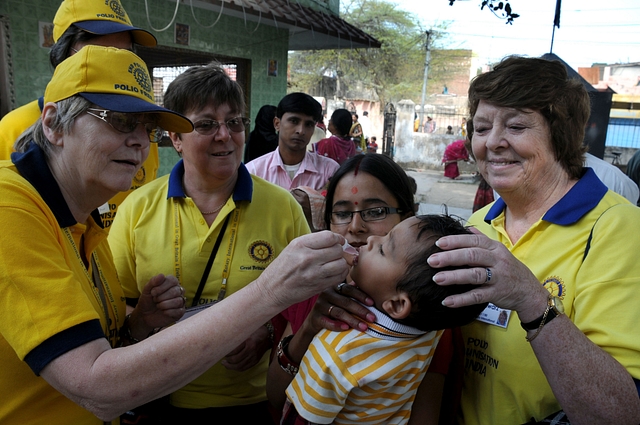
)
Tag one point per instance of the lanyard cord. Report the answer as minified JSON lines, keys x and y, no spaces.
{"x":177,"y":249}
{"x":207,"y":268}
{"x":98,"y":286}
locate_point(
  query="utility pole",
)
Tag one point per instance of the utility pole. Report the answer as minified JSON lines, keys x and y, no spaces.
{"x":337,"y":94}
{"x":424,"y":82}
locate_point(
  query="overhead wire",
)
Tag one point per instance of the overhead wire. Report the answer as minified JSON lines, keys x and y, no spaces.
{"x":175,"y":13}
{"x":196,"y":19}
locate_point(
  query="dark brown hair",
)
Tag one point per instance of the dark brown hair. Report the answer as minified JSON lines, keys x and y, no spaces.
{"x":201,"y":85}
{"x":427,"y":312}
{"x":383,"y":168}
{"x":540,"y":85}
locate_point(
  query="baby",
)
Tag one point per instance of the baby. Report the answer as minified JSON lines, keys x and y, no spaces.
{"x":372,"y":376}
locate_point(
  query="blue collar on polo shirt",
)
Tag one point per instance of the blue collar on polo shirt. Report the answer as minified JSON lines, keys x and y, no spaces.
{"x":584,"y":196}
{"x":241,"y":192}
{"x":33,"y":166}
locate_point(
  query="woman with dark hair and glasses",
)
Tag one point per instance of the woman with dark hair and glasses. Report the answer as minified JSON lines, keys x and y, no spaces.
{"x":216,"y":228}
{"x":367,"y":196}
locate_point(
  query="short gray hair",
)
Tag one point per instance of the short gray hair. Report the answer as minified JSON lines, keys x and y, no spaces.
{"x":68,"y":110}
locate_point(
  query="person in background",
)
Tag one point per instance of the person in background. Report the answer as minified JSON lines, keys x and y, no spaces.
{"x":484,"y":194}
{"x":319,"y":133}
{"x":372,"y":147}
{"x":70,"y":353}
{"x":454,"y":152}
{"x":291,"y":165}
{"x":557,"y":251}
{"x":339,"y":146}
{"x":462,"y":132}
{"x":373,"y":376}
{"x":216,"y":228}
{"x":365,"y":123}
{"x":357,"y":134}
{"x":78,"y":23}
{"x":449,"y":130}
{"x":613,"y":177}
{"x":429,"y":125}
{"x":633,"y":170}
{"x":263,"y":139}
{"x":377,"y":194}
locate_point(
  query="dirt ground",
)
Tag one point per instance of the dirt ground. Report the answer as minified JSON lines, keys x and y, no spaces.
{"x":434,"y":190}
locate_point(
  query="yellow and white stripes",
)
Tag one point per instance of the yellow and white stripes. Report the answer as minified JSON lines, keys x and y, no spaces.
{"x":363,"y":377}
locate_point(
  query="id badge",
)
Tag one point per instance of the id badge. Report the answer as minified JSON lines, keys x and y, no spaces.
{"x":195,"y":310}
{"x":104,"y":208}
{"x":494,"y":315}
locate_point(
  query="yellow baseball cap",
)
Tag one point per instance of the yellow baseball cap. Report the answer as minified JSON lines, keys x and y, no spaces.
{"x":99,"y":17}
{"x":113,"y":79}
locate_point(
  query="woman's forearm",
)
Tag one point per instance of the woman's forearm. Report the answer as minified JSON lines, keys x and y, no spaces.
{"x":110,"y":381}
{"x":590,"y":385}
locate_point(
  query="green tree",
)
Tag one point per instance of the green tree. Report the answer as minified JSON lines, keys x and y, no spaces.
{"x":394,"y":71}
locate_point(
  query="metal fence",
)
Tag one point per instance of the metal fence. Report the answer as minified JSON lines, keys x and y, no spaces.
{"x":443,"y":116}
{"x":623,"y":133}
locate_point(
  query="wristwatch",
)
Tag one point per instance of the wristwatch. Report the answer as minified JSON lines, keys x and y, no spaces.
{"x":554,"y":309}
{"x":283,"y":359}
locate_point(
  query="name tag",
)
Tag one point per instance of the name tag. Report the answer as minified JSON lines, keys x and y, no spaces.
{"x":191,"y":311}
{"x":104,"y":208}
{"x":494,"y":315}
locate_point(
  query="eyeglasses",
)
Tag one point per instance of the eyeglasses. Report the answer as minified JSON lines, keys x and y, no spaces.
{"x":126,"y":123}
{"x":370,"y":214}
{"x":211,"y":127}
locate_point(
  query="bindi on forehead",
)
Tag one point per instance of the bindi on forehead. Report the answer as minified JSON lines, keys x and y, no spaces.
{"x":354,"y":189}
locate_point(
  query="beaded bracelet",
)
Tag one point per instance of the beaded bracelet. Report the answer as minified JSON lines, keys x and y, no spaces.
{"x":285,"y":362}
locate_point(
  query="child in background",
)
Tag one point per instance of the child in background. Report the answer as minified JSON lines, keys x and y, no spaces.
{"x":372,"y":147}
{"x":372,"y":377}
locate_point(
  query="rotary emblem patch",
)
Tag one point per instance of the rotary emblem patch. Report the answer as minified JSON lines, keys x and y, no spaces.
{"x":555,"y":286}
{"x":140,"y":177}
{"x":261,"y":251}
{"x":116,"y":7}
{"x":142,"y":78}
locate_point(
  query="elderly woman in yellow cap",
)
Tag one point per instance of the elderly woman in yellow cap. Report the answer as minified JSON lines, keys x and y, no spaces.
{"x":66,"y":343}
{"x":78,"y":23}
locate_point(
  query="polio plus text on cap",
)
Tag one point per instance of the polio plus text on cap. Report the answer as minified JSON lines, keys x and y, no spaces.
{"x":113,"y":79}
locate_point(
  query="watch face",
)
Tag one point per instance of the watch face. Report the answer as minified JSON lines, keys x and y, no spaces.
{"x":557,"y":304}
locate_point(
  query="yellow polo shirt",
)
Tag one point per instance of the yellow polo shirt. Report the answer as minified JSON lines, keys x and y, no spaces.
{"x":503,"y":381}
{"x":14,"y":123}
{"x":48,"y":305}
{"x":143,"y":241}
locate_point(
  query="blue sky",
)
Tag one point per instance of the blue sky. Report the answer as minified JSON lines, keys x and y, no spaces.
{"x":590,"y":30}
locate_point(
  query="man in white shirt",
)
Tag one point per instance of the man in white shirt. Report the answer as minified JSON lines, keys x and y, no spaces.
{"x":292,"y":165}
{"x":366,"y":125}
{"x":613,"y":178}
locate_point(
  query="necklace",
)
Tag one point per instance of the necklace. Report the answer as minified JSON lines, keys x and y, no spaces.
{"x":214,"y":210}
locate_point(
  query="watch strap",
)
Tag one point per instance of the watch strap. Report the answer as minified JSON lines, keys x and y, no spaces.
{"x":550,"y":314}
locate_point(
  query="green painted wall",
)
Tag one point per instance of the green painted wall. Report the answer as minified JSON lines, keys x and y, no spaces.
{"x":230,"y":37}
{"x":31,"y":68}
